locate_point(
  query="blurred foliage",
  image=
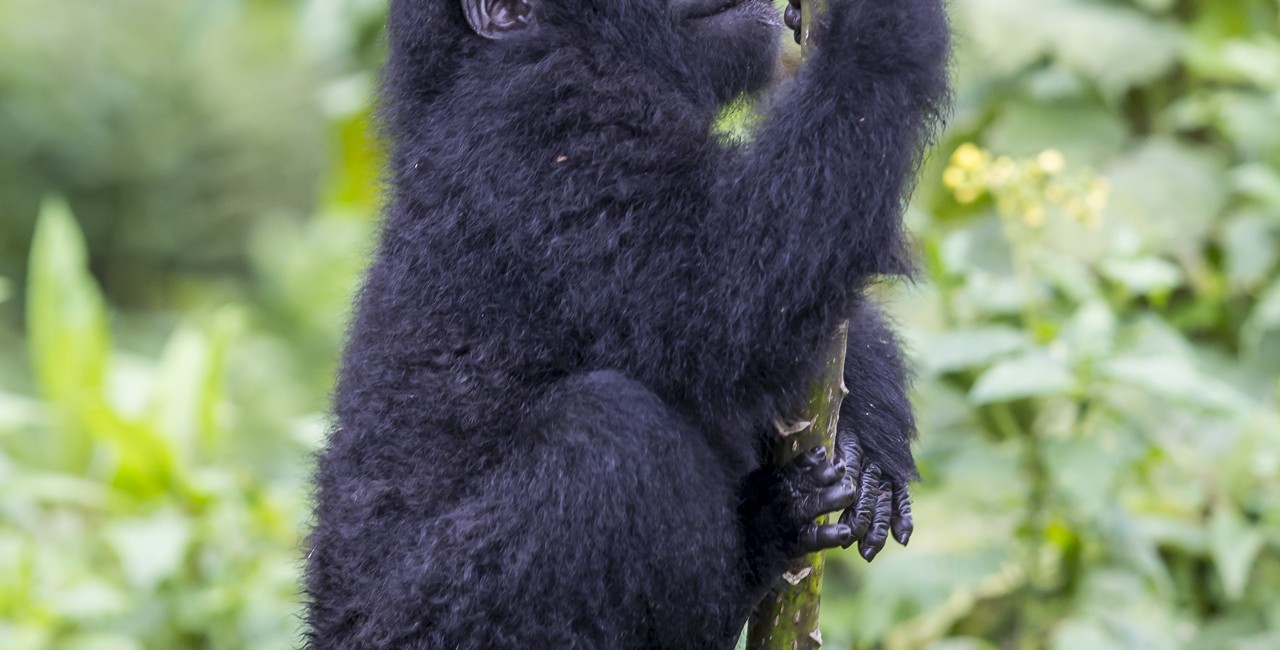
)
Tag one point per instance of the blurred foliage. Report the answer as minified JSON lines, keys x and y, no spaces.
{"x":1097,"y":335}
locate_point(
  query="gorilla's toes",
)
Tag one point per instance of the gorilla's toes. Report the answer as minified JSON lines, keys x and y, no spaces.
{"x":815,"y":486}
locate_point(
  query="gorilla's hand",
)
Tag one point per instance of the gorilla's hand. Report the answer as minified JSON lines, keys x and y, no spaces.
{"x":791,"y":16}
{"x":883,"y":504}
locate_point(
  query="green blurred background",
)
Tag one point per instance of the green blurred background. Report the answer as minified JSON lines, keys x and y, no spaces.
{"x":189,"y":189}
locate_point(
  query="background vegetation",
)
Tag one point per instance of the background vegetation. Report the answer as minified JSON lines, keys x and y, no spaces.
{"x":188,"y":191}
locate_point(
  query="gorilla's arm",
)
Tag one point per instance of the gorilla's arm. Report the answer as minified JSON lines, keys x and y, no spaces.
{"x":808,"y":212}
{"x":839,"y":148}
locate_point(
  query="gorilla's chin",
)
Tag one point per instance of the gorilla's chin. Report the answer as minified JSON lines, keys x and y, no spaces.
{"x":734,"y":41}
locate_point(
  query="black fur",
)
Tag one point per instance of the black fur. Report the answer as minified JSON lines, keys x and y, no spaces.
{"x":587,"y":311}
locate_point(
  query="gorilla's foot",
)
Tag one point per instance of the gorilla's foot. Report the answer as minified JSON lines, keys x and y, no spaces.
{"x":882,"y":506}
{"x":813,"y":486}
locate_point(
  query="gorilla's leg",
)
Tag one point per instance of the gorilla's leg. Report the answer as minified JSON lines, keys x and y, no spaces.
{"x":615,"y":525}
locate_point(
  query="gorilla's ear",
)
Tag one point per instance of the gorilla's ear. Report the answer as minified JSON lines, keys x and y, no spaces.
{"x":498,"y":19}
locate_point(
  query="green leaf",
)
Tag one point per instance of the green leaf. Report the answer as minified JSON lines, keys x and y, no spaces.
{"x":970,"y":348}
{"x":100,"y":642}
{"x":1031,"y":375}
{"x":1252,"y":122}
{"x":1091,"y":332}
{"x":1007,"y":34}
{"x":1258,"y":182}
{"x":189,"y":381}
{"x":1113,"y":46}
{"x":1264,"y":319}
{"x":1145,"y":276}
{"x":150,"y":549}
{"x":1158,"y":6}
{"x":91,"y":599}
{"x":1169,"y":193}
{"x":1234,"y":545}
{"x":68,"y":337}
{"x":1081,"y":634}
{"x":1176,"y":378}
{"x":1085,"y":134}
{"x":1083,"y":472}
{"x":1250,"y":248}
{"x":1236,"y":60}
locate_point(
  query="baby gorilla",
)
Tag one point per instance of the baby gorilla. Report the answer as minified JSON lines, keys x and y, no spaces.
{"x":587,"y":312}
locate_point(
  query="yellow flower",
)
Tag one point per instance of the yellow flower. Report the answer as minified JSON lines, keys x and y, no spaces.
{"x":954,"y":177}
{"x":967,"y":195}
{"x":969,"y":156}
{"x":1033,"y":216}
{"x":1051,"y":161}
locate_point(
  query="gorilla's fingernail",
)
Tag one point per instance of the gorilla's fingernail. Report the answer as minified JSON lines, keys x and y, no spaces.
{"x":904,"y":537}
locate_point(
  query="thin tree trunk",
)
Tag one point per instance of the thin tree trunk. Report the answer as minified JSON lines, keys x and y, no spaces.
{"x":787,"y":618}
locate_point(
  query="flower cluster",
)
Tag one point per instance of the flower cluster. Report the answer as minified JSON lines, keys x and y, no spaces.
{"x":1026,"y":188}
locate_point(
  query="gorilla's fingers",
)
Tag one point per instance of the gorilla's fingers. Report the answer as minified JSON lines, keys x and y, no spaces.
{"x":849,"y":450}
{"x":859,"y":516}
{"x":814,"y":538}
{"x":831,"y":499}
{"x":812,"y":457}
{"x":827,"y":474}
{"x":791,"y":16}
{"x":901,"y":523}
{"x":873,"y":542}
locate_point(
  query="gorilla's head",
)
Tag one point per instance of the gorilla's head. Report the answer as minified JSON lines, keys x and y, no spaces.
{"x":717,"y":48}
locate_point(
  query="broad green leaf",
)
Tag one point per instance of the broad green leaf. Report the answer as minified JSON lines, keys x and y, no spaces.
{"x":1145,"y":276}
{"x":1176,"y":378}
{"x":1260,"y":183}
{"x":1091,"y":332}
{"x":1031,"y":375}
{"x":1236,"y":60}
{"x":1169,"y":193}
{"x":1113,"y":46}
{"x":1008,"y":35}
{"x":1084,"y":133}
{"x":1252,"y":123}
{"x":971,"y":348}
{"x":1234,"y":544}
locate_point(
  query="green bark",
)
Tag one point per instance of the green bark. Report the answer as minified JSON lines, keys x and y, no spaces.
{"x":787,"y":618}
